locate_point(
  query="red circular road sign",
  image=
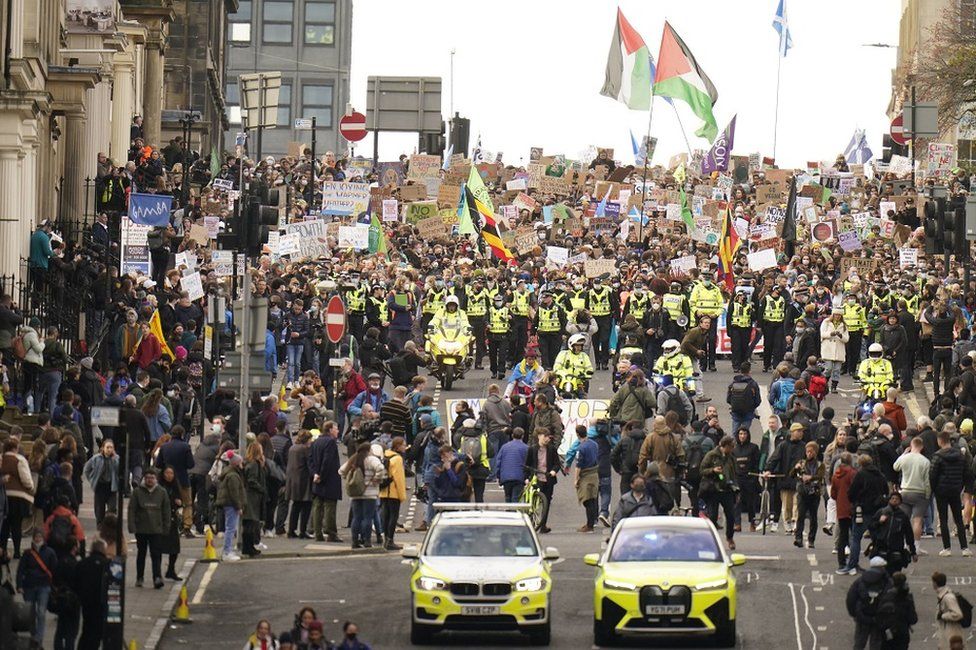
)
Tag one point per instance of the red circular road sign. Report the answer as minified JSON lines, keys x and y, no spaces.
{"x":898,"y":129}
{"x":335,"y":319}
{"x":353,"y":126}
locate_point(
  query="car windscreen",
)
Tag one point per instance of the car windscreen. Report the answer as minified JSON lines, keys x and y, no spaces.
{"x":481,"y":540}
{"x":665,"y":544}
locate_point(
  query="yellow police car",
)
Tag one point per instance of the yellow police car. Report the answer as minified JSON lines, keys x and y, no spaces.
{"x":480,"y":568}
{"x":664,"y":576}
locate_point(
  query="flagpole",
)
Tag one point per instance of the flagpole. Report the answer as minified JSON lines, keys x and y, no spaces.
{"x":779,"y":65}
{"x":682,"y":126}
{"x":647,"y":156}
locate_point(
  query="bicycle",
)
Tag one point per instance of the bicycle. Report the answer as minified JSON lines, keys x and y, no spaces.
{"x":764,"y":496}
{"x":538,"y":502}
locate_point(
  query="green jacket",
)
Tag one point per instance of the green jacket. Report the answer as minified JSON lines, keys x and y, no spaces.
{"x":256,"y":484}
{"x":629,"y":402}
{"x":710,"y":481}
{"x":230,"y":492}
{"x":149,"y":511}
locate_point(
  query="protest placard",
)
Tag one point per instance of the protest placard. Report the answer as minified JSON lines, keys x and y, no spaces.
{"x":431,"y":227}
{"x":555,"y":185}
{"x":289,"y":245}
{"x":212,"y":224}
{"x":596,"y":268}
{"x":558,"y":255}
{"x":940,"y":158}
{"x":525,"y":202}
{"x":390,"y":210}
{"x":187,"y":260}
{"x":907,"y":257}
{"x":448,"y":196}
{"x":421,"y":210}
{"x":887,"y":208}
{"x":312,"y":238}
{"x":849,"y":241}
{"x":824,"y":231}
{"x":199,"y":234}
{"x":345,"y":199}
{"x":673,"y":212}
{"x":517,"y":185}
{"x":681,"y":265}
{"x":762,"y":260}
{"x":768,"y":194}
{"x":863,"y":266}
{"x":525,"y":240}
{"x":356,"y":237}
{"x":193,"y":285}
{"x":509,"y":212}
{"x":391,"y":174}
{"x":900,"y":165}
{"x":423,"y":166}
{"x":223,"y":263}
{"x":415,"y":192}
{"x":223,"y":184}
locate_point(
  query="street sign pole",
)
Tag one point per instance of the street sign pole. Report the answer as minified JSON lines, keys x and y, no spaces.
{"x":244,"y":326}
{"x":313,"y":157}
{"x":911,"y":143}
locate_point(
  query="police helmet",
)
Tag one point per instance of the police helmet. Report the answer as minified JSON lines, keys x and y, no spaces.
{"x":670,"y":346}
{"x":576,"y":339}
{"x":875,"y":351}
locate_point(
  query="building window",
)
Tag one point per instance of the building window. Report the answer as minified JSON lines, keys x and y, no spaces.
{"x":233,"y":103}
{"x":284,"y":105}
{"x":966,"y":153}
{"x":317,"y":103}
{"x":278,"y":18}
{"x":319,"y":22}
{"x":240,"y":23}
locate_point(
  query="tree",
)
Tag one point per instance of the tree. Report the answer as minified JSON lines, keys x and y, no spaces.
{"x":946,"y":69}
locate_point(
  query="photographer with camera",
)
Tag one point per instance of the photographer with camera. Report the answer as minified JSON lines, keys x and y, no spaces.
{"x":809,"y":475}
{"x":719,"y":487}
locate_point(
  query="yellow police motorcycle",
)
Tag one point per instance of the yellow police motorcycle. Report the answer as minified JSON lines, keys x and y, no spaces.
{"x":573,"y":370}
{"x":449,"y":350}
{"x":876,"y":376}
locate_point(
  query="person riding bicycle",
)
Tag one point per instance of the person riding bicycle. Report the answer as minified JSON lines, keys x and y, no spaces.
{"x":875,"y":372}
{"x":525,"y":374}
{"x":676,"y":364}
{"x":573,"y":366}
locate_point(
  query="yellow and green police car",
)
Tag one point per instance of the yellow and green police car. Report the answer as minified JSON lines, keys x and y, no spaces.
{"x":664,"y":576}
{"x":480,"y":568}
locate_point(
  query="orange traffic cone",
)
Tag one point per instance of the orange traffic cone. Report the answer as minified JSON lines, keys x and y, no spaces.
{"x":209,"y":552}
{"x":182,"y":613}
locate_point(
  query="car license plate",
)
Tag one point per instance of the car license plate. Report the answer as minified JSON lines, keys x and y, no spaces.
{"x":665,"y":610}
{"x":479,"y":610}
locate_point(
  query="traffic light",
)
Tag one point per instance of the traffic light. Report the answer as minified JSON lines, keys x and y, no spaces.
{"x":460,"y":130}
{"x":934,"y":230}
{"x":261,"y":217}
{"x":956,"y":241}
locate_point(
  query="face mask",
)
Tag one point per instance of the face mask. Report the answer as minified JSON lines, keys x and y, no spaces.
{"x":218,"y":428}
{"x":655,"y":306}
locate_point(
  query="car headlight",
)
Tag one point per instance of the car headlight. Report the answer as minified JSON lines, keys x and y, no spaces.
{"x":714,"y":584}
{"x":427,"y":583}
{"x":531,"y":584}
{"x":620,"y":586}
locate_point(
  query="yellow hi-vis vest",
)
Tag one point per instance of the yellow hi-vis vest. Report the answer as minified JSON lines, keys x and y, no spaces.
{"x":677,"y":365}
{"x":434,"y":300}
{"x":356,"y":300}
{"x":600,"y":302}
{"x":498,"y":320}
{"x":912,"y":305}
{"x":674,"y":304}
{"x":706,"y":301}
{"x":549,"y":319}
{"x":577,"y":299}
{"x":742,"y":314}
{"x":477,"y":303}
{"x":775,"y":309}
{"x":854,"y":317}
{"x":520,"y":303}
{"x":573,"y":364}
{"x":638,"y":306}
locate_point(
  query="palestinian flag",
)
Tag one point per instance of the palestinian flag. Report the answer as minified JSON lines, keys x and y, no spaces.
{"x":679,"y":76}
{"x":479,"y":201}
{"x":628,"y":67}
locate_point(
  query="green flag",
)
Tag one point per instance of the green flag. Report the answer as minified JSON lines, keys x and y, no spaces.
{"x":214,"y":163}
{"x":377,"y":238}
{"x":686,"y":215}
{"x":465,"y":225}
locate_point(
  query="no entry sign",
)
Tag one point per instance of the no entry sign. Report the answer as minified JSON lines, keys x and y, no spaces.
{"x":335,"y":319}
{"x":353,"y":126}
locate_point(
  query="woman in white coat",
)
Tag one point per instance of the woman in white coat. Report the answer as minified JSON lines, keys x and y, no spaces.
{"x":33,"y":360}
{"x":833,"y":345}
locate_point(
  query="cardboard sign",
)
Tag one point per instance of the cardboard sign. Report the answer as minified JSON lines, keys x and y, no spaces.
{"x":421,"y":210}
{"x":525,"y":202}
{"x":885,"y":208}
{"x":431,"y":227}
{"x":390,"y":211}
{"x":596,"y":268}
{"x":390,"y":174}
{"x":199,"y":234}
{"x":356,"y":237}
{"x":940,"y":158}
{"x":448,"y":196}
{"x":414,"y":192}
{"x":212,"y":224}
{"x":768,"y":194}
{"x":824,"y":231}
{"x":863,"y":266}
{"x":555,"y":185}
{"x":312,"y":238}
{"x":193,"y":285}
{"x":762,"y":260}
{"x":535,"y":153}
{"x":448,"y":215}
{"x":907,"y":257}
{"x":422,"y":166}
{"x":525,"y":241}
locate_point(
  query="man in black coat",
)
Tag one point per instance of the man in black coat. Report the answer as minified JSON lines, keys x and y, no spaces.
{"x":323,"y":466}
{"x":137,"y":437}
{"x":867,"y":494}
{"x":891,"y":535}
{"x":177,"y":454}
{"x":90,"y":582}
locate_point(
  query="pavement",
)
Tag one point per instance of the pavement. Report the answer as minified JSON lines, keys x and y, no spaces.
{"x":788,"y":597}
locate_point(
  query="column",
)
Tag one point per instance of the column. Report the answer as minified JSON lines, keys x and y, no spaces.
{"x":123,"y":101}
{"x":153,"y":102}
{"x":16,"y":9}
{"x":29,"y":184}
{"x":10,"y":212}
{"x":73,"y":189}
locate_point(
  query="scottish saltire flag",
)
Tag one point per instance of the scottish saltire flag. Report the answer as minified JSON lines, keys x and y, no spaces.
{"x":447,"y":158}
{"x":150,"y":209}
{"x":633,"y":144}
{"x":654,"y":74}
{"x":858,"y":152}
{"x":601,"y":208}
{"x":782,"y":26}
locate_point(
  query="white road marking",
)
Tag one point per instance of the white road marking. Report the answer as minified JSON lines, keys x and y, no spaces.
{"x":796,"y":618}
{"x":204,"y":583}
{"x":806,"y":616}
{"x":762,"y":558}
{"x":812,"y":559}
{"x":174,"y":592}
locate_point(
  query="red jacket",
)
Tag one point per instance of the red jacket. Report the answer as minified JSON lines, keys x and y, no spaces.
{"x":840,"y":485}
{"x":896,"y":413}
{"x":354,"y":386}
{"x":148,"y":351}
{"x":76,"y":529}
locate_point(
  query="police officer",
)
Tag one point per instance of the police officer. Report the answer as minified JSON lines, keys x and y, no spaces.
{"x":875,"y":372}
{"x":376,"y":312}
{"x":576,"y":299}
{"x":355,"y":297}
{"x":433,"y":302}
{"x":773,"y":322}
{"x":499,"y":333}
{"x":881,"y":298}
{"x":675,"y":364}
{"x":676,"y":304}
{"x":550,"y":321}
{"x":602,"y":302}
{"x":561,"y":295}
{"x":707,"y":300}
{"x":739,"y":321}
{"x":573,"y":362}
{"x":520,"y":308}
{"x":856,"y":320}
{"x":477,"y":311}
{"x":637,"y":303}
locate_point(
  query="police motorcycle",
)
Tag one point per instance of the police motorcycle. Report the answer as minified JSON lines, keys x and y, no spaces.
{"x":876,"y":376}
{"x":448,"y":344}
{"x":675,"y":368}
{"x":573,"y":369}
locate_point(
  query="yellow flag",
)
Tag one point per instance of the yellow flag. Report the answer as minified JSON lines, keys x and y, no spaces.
{"x":156,"y":327}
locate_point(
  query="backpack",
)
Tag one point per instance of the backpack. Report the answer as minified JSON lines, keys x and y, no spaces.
{"x":785,"y":392}
{"x":966,"y":608}
{"x":675,"y":404}
{"x":355,"y":483}
{"x":61,"y":536}
{"x":870,"y":447}
{"x":631,"y":460}
{"x":694,"y":454}
{"x":386,"y":482}
{"x":740,"y":397}
{"x":818,"y":387}
{"x":471,"y":447}
{"x":661,"y":496}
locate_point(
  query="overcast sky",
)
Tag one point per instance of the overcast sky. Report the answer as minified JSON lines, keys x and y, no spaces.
{"x":529,"y":73}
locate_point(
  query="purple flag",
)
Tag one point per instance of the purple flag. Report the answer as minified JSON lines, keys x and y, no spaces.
{"x":718,"y":156}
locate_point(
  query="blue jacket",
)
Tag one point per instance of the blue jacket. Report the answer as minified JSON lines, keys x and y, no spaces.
{"x":435,"y":418}
{"x":587,"y":454}
{"x":377,"y":400}
{"x":159,"y":423}
{"x":591,"y":434}
{"x":30,"y":575}
{"x":93,"y":470}
{"x":40,"y":249}
{"x":510,"y":461}
{"x":176,"y":454}
{"x":527,"y":374}
{"x":270,"y":352}
{"x":432,"y":456}
{"x":402,"y":315}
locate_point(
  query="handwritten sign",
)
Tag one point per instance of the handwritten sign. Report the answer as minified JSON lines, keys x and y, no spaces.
{"x":849,"y":241}
{"x":596,"y":268}
{"x":558,"y":255}
{"x":761,"y":260}
{"x":907,"y":257}
{"x":421,"y":210}
{"x":345,"y":199}
{"x":684,"y":264}
{"x":223,"y":263}
{"x":356,"y":237}
{"x":193,"y":285}
{"x":312,"y":238}
{"x":423,"y":166}
{"x":390,"y":212}
{"x":431,"y":227}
